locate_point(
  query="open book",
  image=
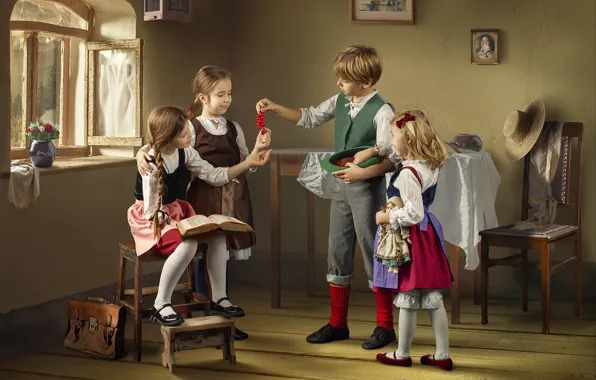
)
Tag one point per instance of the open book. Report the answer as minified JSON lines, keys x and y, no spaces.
{"x":200,"y":224}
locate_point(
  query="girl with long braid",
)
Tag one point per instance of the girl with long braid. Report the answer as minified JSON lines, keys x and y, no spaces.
{"x":221,"y":142}
{"x":160,"y":204}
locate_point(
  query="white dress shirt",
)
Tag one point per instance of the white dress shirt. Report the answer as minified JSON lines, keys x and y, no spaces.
{"x":315,"y":116}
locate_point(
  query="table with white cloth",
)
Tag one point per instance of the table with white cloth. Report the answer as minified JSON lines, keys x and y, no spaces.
{"x":464,"y":204}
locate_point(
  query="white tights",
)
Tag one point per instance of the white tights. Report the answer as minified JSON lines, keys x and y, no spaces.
{"x":177,"y":262}
{"x":171,"y":272}
{"x":216,"y":268}
{"x":407,"y":325}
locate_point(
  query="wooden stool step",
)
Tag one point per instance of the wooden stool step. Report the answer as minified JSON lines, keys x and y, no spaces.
{"x":194,"y":333}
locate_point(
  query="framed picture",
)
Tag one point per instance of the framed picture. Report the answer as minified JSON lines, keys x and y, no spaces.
{"x":382,"y":11}
{"x":485,"y":46}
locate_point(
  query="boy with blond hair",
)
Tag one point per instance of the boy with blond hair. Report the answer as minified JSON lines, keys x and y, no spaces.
{"x":362,"y":117}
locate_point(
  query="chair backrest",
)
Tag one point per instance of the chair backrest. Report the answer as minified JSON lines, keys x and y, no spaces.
{"x":560,"y":188}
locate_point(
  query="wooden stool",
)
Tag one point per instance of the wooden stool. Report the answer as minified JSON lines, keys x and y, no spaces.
{"x":195,"y":333}
{"x":194,"y":302}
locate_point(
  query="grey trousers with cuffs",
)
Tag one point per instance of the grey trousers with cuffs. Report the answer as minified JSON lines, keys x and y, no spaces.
{"x":353,"y":211}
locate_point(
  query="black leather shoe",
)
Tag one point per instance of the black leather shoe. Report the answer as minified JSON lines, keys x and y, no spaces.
{"x":240,"y":335}
{"x":169,"y":320}
{"x":230,"y":311}
{"x":379,"y":338}
{"x":328,"y":334}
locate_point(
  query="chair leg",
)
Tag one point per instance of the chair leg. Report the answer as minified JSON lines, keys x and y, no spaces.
{"x":524,"y":279}
{"x":545,"y":268}
{"x":577,"y":275}
{"x":138,"y":310}
{"x":121,"y":276}
{"x":484,"y":280}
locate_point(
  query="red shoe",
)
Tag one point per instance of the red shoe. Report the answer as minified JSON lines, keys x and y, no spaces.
{"x":383,"y":358}
{"x":446,"y":364}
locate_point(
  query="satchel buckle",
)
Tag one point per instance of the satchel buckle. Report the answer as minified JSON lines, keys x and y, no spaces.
{"x":93,"y":325}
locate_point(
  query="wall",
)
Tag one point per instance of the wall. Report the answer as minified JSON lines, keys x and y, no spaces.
{"x":68,"y":237}
{"x":283,"y":49}
{"x":547,"y":53}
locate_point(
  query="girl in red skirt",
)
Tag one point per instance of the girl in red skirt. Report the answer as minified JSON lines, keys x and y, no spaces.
{"x":160,"y":204}
{"x":419,"y":282}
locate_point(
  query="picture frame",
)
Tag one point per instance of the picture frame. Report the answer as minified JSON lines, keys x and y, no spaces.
{"x":484,"y":46}
{"x":382,"y":11}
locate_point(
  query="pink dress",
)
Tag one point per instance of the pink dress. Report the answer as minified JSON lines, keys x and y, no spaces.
{"x":176,"y":176}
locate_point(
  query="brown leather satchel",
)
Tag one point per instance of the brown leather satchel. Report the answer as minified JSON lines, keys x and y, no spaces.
{"x":96,"y":326}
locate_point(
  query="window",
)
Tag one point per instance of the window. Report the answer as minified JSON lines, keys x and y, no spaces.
{"x":60,"y":75}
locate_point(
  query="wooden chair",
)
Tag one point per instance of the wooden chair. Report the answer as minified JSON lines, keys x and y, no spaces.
{"x":194,"y":302}
{"x":504,"y":237}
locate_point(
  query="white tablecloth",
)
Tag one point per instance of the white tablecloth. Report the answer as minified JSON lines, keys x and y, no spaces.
{"x":464,"y":203}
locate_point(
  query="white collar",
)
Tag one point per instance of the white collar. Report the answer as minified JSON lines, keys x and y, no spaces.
{"x":220,"y":119}
{"x":362,"y":101}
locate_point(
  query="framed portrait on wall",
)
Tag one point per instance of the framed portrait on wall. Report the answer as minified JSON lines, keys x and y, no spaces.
{"x":485,"y":46}
{"x":382,"y":11}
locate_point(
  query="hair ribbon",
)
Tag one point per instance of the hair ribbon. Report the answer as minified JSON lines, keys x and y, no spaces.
{"x":407,"y":117}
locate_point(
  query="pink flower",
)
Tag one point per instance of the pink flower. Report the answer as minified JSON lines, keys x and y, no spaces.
{"x":49,"y":128}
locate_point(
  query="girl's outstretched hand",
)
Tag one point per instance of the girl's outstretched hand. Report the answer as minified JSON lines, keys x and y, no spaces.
{"x":263,"y":140}
{"x":258,"y":159}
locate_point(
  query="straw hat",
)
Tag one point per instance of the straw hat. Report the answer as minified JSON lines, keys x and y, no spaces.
{"x":522,"y":129}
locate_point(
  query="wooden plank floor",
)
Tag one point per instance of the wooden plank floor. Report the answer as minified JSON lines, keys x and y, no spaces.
{"x":509,"y":347}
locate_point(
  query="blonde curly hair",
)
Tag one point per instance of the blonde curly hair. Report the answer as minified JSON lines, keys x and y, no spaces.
{"x":422,"y":141}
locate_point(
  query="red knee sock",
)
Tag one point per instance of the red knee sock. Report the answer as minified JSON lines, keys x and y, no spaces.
{"x":340,"y":299}
{"x":384,"y":300}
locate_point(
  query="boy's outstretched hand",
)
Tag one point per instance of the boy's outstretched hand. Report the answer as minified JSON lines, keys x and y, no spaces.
{"x":265,"y":105}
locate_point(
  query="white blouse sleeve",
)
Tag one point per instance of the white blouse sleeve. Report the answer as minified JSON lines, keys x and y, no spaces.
{"x":384,"y":139}
{"x":314,"y":116}
{"x":410,"y":191}
{"x":241,"y":141}
{"x":150,"y":195}
{"x":193,"y":134}
{"x":204,"y":170}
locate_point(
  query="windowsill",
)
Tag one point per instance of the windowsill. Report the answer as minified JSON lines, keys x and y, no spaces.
{"x":75,"y":164}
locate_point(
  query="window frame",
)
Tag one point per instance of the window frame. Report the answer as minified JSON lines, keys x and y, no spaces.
{"x":31,"y":31}
{"x":93,"y":47}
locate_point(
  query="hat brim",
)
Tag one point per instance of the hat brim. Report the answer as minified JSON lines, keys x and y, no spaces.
{"x":328,"y":163}
{"x":516,"y":150}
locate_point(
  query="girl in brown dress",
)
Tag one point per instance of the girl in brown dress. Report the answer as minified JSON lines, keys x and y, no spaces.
{"x":220,"y":142}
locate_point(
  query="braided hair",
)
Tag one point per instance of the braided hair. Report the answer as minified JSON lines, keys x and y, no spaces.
{"x":164,"y":124}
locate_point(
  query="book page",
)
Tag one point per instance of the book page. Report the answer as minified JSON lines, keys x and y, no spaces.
{"x":195,"y":221}
{"x":219,"y":219}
